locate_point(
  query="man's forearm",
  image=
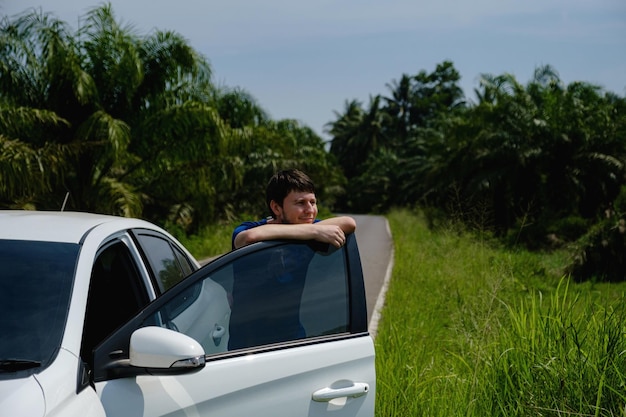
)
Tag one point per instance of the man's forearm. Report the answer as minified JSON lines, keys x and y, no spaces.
{"x":315,"y":231}
{"x":347,"y":223}
{"x":273,"y":232}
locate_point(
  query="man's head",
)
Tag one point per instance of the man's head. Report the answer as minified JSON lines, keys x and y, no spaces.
{"x":290,"y":197}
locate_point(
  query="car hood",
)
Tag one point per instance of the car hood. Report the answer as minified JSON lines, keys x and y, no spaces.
{"x":21,"y":397}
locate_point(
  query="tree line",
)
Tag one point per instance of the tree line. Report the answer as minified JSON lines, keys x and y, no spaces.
{"x":541,"y":164}
{"x":103,"y":119}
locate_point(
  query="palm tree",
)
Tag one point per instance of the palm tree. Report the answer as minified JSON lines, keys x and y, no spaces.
{"x":239,"y":108}
{"x":435,"y":94}
{"x":343,"y":131}
{"x":399,"y":106}
{"x":27,"y":171}
{"x":541,"y":152}
{"x":138,"y":114}
{"x":39,"y":75}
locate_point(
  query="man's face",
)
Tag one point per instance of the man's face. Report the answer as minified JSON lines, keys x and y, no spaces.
{"x":298,"y":207}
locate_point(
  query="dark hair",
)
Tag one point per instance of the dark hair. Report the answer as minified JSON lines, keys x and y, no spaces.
{"x":285,"y":181}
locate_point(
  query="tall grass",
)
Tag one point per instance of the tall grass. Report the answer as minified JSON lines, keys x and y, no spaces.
{"x":471,"y":329}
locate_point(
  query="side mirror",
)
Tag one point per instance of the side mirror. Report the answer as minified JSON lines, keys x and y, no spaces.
{"x":160,"y":348}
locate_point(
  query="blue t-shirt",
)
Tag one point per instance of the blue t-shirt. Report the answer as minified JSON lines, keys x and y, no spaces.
{"x":245,"y":226}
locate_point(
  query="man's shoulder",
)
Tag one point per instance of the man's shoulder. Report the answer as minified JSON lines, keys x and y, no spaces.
{"x":250,"y":224}
{"x":246,"y":226}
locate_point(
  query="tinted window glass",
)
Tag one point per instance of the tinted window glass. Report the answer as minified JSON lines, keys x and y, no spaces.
{"x":163,"y":261}
{"x":278,"y":294}
{"x":186,"y":266}
{"x":35,"y":287}
{"x":116,"y":293}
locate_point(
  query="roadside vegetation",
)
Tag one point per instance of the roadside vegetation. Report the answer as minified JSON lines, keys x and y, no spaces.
{"x":471,"y":328}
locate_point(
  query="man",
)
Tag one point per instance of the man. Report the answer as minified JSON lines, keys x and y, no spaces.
{"x":290,"y":198}
{"x":266,"y":304}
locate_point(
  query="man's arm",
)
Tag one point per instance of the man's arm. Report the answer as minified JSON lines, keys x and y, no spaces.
{"x":332,"y":230}
{"x":346,"y":223}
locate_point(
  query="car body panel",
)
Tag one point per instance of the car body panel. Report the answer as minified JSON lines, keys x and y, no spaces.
{"x":54,"y":226}
{"x":23,"y":397}
{"x":263,"y":384}
{"x":58,"y":382}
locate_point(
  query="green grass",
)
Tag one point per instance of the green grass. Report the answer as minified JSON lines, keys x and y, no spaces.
{"x":471,"y":329}
{"x":210,"y":242}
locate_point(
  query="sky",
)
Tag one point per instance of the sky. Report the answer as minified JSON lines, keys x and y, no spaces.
{"x":304,"y":60}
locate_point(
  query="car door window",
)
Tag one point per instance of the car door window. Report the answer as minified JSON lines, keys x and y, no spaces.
{"x":167,"y":262}
{"x":116,"y":294}
{"x":282,"y":293}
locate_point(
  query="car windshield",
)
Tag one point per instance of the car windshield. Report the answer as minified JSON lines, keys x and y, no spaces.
{"x":35,"y":286}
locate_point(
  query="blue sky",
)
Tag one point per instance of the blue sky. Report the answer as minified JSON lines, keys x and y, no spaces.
{"x":304,"y":59}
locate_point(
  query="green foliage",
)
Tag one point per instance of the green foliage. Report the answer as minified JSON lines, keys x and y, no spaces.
{"x":388,"y":132}
{"x":600,"y":255}
{"x":132,"y":125}
{"x":373,"y":190}
{"x":471,"y":328}
{"x":207,"y":243}
{"x":536,"y":164}
{"x":104,"y":119}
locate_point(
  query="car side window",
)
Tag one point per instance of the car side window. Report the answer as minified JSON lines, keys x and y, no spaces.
{"x":167,"y":262}
{"x":287,"y":293}
{"x":277,"y":294}
{"x":116,"y":294}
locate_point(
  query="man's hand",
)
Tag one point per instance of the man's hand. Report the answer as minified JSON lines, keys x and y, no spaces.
{"x":330,"y":233}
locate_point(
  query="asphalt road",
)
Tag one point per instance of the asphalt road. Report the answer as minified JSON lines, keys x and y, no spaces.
{"x":376,"y":249}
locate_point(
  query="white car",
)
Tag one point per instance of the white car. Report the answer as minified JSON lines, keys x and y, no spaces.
{"x":109,"y":316}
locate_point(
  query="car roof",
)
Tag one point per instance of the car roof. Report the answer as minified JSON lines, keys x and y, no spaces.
{"x":56,"y":226}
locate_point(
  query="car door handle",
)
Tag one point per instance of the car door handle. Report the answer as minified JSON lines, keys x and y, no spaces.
{"x":327,"y":394}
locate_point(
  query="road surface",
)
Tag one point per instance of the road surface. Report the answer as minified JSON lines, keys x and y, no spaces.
{"x":376,"y":249}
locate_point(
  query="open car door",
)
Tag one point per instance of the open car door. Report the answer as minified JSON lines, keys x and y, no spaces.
{"x":281,"y":330}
